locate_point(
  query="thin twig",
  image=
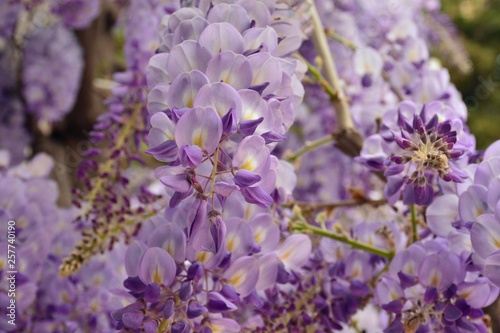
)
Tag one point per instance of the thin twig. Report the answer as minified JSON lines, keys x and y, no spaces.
{"x":349,"y":140}
{"x":304,"y":226}
{"x":333,"y":35}
{"x":310,"y":206}
{"x":310,"y":146}
{"x":414,"y":222}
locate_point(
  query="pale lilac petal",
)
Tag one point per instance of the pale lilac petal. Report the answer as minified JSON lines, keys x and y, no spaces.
{"x":290,"y":36}
{"x":172,"y":239}
{"x":487,"y":170}
{"x":157,"y":266}
{"x":243,"y":275}
{"x":221,"y":97}
{"x":485,"y":235}
{"x":133,"y":257}
{"x":201,"y":127}
{"x":230,"y":13}
{"x":263,"y":39}
{"x":492,"y":151}
{"x":357,"y":266}
{"x":255,"y":107}
{"x":178,"y":183}
{"x":218,"y":37}
{"x":367,"y":61}
{"x":189,"y":30}
{"x":387,"y":290}
{"x":231,"y":68}
{"x":268,"y":271}
{"x":156,"y":72}
{"x":442,"y":213}
{"x":181,"y":15}
{"x":184,"y":89}
{"x":239,"y":237}
{"x":162,"y":129}
{"x":266,"y":70}
{"x":225,"y":189}
{"x":417,"y":52}
{"x":407,"y":261}
{"x":224,"y":325}
{"x":265,"y":232}
{"x":493,"y":196}
{"x":185,"y":57}
{"x":252,"y":155}
{"x":258,"y":12}
{"x":472,"y":203}
{"x":492,"y":268}
{"x":440,"y":271}
{"x":294,"y":251}
{"x":157,"y":98}
{"x":478,"y":294}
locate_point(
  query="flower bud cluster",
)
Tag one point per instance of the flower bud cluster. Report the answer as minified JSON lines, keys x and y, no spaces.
{"x":223,"y":94}
{"x":46,"y":302}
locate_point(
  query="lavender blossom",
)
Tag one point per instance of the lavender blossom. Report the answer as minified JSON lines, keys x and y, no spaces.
{"x":53,"y":65}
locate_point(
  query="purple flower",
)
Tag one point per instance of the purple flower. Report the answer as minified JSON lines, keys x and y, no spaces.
{"x":157,"y":266}
{"x":53,"y":66}
{"x":198,"y":132}
{"x":76,"y":14}
{"x":243,"y":275}
{"x":428,"y":149}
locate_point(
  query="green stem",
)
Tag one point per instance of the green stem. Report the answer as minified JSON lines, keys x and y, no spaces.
{"x":414,"y":222}
{"x":301,"y":226}
{"x":333,"y":35}
{"x":310,"y":146}
{"x":319,"y":78}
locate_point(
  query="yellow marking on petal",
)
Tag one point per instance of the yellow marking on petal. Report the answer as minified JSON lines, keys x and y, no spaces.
{"x":198,"y":140}
{"x":202,"y":257}
{"x":216,"y":328}
{"x":259,"y":235}
{"x":231,"y":243}
{"x":157,"y":275}
{"x":409,"y":270}
{"x":65,"y":298}
{"x":249,"y":114}
{"x":94,"y":307}
{"x":97,"y":281}
{"x":497,"y":243}
{"x":170,"y":248}
{"x":249,"y":164}
{"x":356,"y":272}
{"x":189,"y":102}
{"x":339,"y":253}
{"x":237,"y":278}
{"x":21,"y":223}
{"x":286,"y":255}
{"x":465,"y":294}
{"x":436,"y":278}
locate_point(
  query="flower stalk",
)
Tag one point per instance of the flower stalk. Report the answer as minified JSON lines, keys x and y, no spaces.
{"x":311,"y":146}
{"x":303,"y":226}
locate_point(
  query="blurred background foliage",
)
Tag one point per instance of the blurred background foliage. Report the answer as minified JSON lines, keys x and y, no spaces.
{"x":478,"y":22}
